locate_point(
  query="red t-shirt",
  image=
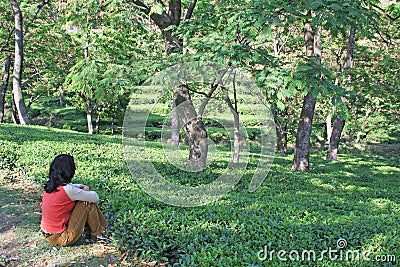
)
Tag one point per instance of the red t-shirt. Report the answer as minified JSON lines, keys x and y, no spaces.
{"x":56,"y":210}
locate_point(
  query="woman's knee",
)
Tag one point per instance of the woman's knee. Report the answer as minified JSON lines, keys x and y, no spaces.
{"x":85,"y":205}
{"x":80,"y":204}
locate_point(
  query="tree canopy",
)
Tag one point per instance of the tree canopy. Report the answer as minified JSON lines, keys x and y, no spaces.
{"x":92,"y":54}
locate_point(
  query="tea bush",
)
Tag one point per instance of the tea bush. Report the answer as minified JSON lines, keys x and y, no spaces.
{"x":355,"y":198}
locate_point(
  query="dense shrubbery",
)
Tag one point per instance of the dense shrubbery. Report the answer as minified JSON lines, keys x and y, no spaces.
{"x":9,"y":155}
{"x":355,"y":198}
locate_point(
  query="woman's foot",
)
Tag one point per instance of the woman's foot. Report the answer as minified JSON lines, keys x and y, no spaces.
{"x":98,"y":239}
{"x":103,"y":239}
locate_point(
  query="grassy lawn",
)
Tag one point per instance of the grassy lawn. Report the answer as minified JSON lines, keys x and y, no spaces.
{"x":356,"y":199}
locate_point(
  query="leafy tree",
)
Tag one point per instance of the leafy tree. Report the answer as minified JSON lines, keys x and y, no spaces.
{"x":312,"y":39}
{"x":43,"y":58}
{"x":334,"y":137}
{"x":247,"y":34}
{"x":358,"y":86}
{"x":167,"y":16}
{"x":49,"y":52}
{"x":103,"y":75}
{"x":375,"y":79}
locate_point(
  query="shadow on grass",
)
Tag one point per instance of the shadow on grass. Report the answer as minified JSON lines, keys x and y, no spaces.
{"x":20,"y":134}
{"x":19,"y":207}
{"x":355,"y":199}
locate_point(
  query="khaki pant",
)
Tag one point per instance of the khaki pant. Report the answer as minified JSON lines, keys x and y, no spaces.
{"x":83,"y":213}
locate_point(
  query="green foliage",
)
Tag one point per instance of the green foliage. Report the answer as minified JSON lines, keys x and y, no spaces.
{"x":124,"y":48}
{"x":242,"y":33}
{"x":8,"y":155}
{"x":106,"y":75}
{"x":376,"y":91}
{"x":355,"y":198}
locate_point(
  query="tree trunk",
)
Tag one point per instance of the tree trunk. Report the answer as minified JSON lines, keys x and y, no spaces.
{"x":236,"y":137}
{"x":112,"y":125}
{"x":335,"y":138}
{"x":175,"y":127}
{"x":98,"y":124}
{"x":364,"y":123}
{"x":4,"y":85}
{"x":280,"y":133}
{"x":236,"y":125}
{"x":89,"y":111}
{"x":172,"y":42}
{"x":339,"y":123}
{"x":14,"y":112}
{"x":18,"y":64}
{"x":197,"y":138}
{"x":302,"y":149}
{"x":61,"y":97}
{"x":350,"y":49}
{"x":236,"y":128}
{"x":173,"y":17}
{"x":329,"y":128}
{"x":193,"y":126}
{"x":172,"y":45}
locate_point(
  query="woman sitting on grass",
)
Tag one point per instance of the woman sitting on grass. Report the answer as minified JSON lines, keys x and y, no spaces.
{"x":67,"y":207}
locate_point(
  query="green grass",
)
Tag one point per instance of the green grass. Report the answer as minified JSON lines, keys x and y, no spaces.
{"x":355,"y":198}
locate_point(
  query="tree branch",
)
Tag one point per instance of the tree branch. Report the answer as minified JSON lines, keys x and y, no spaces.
{"x":285,"y":41}
{"x":36,"y":13}
{"x":142,"y":6}
{"x":194,"y":91}
{"x":32,"y":99}
{"x":175,"y":10}
{"x":214,"y":86}
{"x":190,"y":9}
{"x":383,"y":39}
{"x":161,"y":2}
{"x":37,"y":10}
{"x":161,"y":20}
{"x":384,"y":11}
{"x":228,"y":99}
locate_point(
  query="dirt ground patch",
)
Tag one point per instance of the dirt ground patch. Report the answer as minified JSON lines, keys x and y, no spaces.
{"x":22,"y":245}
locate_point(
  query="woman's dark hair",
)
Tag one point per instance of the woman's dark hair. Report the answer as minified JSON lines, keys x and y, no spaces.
{"x":62,"y":169}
